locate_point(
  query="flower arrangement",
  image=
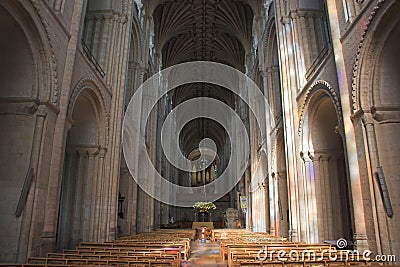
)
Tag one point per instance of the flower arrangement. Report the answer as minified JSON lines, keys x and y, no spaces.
{"x":204,"y":206}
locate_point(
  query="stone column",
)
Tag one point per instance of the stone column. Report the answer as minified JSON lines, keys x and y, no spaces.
{"x":323,"y":194}
{"x":89,"y":193}
{"x":380,"y":227}
{"x":65,"y":213}
{"x":99,"y":214}
{"x":119,"y":66}
{"x":79,"y":191}
{"x":247,"y":179}
{"x":272,"y":204}
{"x":58,"y":151}
{"x":308,"y":42}
{"x":360,"y":237}
{"x":310,"y":177}
{"x":132,"y":205}
{"x":94,"y":162}
{"x":320,"y":193}
{"x":283,"y":199}
{"x":290,"y":117}
{"x":36,"y":195}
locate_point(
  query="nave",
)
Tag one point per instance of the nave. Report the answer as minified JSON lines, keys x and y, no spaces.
{"x":320,"y":134}
{"x":188,"y":248}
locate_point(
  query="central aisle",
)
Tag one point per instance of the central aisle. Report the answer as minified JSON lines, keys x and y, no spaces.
{"x":204,"y":254}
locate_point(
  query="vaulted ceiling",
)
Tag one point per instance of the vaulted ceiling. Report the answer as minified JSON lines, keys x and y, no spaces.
{"x":206,"y":30}
{"x":212,"y":30}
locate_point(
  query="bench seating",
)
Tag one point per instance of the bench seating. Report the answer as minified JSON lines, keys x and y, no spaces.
{"x":243,"y":248}
{"x":156,"y":249}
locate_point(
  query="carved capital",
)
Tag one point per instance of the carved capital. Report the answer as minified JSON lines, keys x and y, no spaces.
{"x":367,"y":119}
{"x":285,"y":20}
{"x":307,"y":156}
{"x":102,"y":152}
{"x":30,"y":108}
{"x":42,"y":111}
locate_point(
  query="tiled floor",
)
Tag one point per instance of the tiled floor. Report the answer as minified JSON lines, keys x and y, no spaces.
{"x":204,"y":254}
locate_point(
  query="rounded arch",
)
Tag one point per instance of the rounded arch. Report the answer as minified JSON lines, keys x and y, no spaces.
{"x":136,"y":47}
{"x":88,"y":89}
{"x":270,"y":42}
{"x":315,"y":92}
{"x":271,"y":67}
{"x":323,"y":123}
{"x":377,"y":30}
{"x":83,"y":170}
{"x":376,"y":96}
{"x":28,"y":78}
{"x":325,"y":170}
{"x":28,"y":20}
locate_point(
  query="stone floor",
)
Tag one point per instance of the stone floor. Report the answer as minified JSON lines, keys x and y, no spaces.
{"x":204,"y":254}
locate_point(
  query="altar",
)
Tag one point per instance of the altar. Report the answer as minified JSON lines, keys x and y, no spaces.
{"x":196,"y":225}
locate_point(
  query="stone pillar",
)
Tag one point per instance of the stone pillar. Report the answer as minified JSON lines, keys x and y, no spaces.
{"x":194,"y":176}
{"x":289,"y":86}
{"x":36,"y":195}
{"x":94,"y":160}
{"x":65,"y":213}
{"x":212,"y":173}
{"x":78,"y":190}
{"x":117,"y":68}
{"x":310,"y":178}
{"x":58,"y":150}
{"x":89,"y":193}
{"x":379,"y":216}
{"x":99,"y":213}
{"x":247,"y":179}
{"x":308,"y":42}
{"x":360,"y":237}
{"x":132,"y":206}
{"x":272,"y":204}
{"x":283,"y":200}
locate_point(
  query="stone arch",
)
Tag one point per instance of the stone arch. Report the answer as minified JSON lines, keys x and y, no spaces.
{"x":83,"y":176}
{"x":137,"y":40}
{"x":31,"y":30}
{"x":28,"y":84}
{"x":314,"y":90}
{"x":269,"y":41}
{"x":376,"y":97}
{"x":89,"y":88}
{"x":324,"y":169}
{"x":272,"y":69}
{"x":135,"y":64}
{"x":366,"y":51}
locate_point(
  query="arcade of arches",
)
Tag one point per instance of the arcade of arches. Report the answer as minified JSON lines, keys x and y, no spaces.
{"x":325,"y":166}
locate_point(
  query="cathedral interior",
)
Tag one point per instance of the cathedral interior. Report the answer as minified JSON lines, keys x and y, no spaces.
{"x":321,"y":152}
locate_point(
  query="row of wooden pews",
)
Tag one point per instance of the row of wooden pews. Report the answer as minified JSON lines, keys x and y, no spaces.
{"x":243,"y":248}
{"x":156,"y":249}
